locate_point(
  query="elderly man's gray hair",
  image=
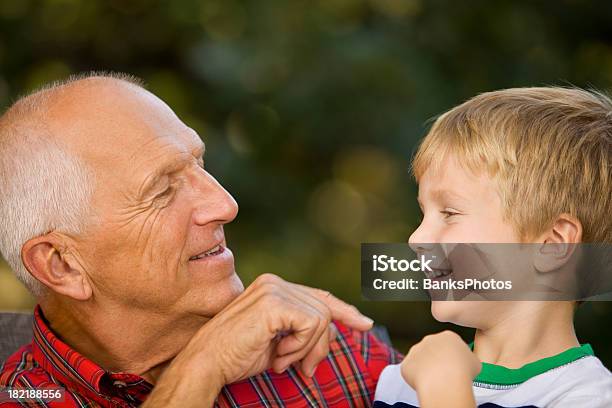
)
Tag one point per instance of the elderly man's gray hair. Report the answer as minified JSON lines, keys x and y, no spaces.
{"x":43,"y":188}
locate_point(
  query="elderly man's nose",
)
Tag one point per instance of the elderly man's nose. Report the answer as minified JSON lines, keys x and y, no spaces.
{"x":215,"y":204}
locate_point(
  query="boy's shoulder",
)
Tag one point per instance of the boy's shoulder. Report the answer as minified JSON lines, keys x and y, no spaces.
{"x":584,"y":381}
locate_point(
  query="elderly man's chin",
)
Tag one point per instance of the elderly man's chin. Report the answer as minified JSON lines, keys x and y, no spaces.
{"x":215,"y":282}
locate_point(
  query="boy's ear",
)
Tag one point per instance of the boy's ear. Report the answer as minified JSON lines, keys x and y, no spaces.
{"x":47,"y":259}
{"x":558,"y":243}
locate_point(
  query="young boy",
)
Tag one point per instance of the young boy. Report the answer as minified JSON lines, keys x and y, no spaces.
{"x":525,"y":165}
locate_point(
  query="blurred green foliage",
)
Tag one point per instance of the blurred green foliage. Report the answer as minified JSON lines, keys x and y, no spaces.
{"x":312,"y":109}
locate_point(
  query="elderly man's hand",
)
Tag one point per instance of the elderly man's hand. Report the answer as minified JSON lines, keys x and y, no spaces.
{"x":273,"y":324}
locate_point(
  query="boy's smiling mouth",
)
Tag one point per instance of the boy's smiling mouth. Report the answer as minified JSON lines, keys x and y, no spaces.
{"x":438,"y":273}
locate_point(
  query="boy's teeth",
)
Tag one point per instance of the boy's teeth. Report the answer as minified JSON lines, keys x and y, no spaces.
{"x":435,"y":273}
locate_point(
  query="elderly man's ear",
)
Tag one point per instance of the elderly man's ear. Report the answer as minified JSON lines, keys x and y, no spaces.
{"x":48,"y":261}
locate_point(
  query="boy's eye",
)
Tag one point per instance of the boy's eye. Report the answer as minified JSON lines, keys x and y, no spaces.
{"x":448,"y":213}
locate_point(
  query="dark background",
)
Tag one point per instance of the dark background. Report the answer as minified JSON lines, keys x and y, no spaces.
{"x":311,"y":109}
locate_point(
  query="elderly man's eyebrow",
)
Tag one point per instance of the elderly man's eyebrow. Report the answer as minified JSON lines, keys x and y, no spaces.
{"x":154,"y":178}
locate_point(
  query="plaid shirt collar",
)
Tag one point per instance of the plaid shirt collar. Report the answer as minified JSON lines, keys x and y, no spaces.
{"x":82,"y":375}
{"x":346,"y":378}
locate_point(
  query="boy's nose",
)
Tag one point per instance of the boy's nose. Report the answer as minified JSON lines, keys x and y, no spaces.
{"x":419,"y":241}
{"x":421,"y":247}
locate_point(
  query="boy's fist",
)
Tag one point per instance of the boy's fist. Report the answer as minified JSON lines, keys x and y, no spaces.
{"x":441,"y":359}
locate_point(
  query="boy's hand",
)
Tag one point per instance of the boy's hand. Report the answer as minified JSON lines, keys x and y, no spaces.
{"x":441,"y":368}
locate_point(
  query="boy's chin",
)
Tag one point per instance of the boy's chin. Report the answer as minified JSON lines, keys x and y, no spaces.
{"x":463,"y":313}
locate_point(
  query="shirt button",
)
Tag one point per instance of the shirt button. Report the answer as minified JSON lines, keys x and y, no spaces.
{"x":119,"y":384}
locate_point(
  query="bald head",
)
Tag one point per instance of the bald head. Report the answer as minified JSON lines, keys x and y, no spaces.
{"x":61,"y":106}
{"x":42,"y":102}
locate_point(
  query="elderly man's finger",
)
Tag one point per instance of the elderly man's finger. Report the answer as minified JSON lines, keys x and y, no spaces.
{"x":340,"y":310}
{"x":332,"y":332}
{"x":300,"y":343}
{"x":303,"y":337}
{"x":317,"y":354}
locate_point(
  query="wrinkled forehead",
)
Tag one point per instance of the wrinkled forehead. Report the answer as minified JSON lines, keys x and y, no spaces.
{"x":113,"y":127}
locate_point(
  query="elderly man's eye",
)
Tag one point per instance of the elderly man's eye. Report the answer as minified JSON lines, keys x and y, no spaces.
{"x":165,"y":193}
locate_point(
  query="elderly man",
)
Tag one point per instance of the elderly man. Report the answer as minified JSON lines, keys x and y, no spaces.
{"x":111,"y":221}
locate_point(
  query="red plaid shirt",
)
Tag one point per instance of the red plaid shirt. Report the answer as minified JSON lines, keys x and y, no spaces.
{"x":346,"y":378}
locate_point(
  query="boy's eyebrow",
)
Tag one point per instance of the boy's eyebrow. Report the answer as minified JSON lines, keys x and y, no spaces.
{"x":442,"y":195}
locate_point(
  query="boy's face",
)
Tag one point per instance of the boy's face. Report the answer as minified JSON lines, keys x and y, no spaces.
{"x":460,"y":207}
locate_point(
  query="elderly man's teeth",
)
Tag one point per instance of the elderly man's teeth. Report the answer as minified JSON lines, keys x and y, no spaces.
{"x":207,"y":253}
{"x":215,"y":249}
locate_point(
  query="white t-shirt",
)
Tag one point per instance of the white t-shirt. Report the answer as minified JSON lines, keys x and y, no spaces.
{"x":574,"y":378}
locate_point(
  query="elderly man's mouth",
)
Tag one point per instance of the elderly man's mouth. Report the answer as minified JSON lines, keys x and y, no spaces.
{"x":216,"y":250}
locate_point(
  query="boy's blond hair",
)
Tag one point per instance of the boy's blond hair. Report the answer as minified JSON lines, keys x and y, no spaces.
{"x":548,"y":148}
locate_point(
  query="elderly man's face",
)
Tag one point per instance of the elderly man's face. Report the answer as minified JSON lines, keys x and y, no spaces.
{"x":158,"y":243}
